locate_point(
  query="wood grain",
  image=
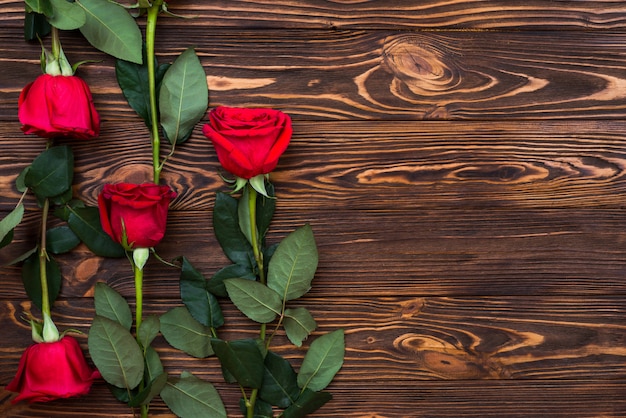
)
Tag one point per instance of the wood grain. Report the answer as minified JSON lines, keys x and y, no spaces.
{"x":406,"y":14}
{"x":376,"y":75}
{"x":462,"y":164}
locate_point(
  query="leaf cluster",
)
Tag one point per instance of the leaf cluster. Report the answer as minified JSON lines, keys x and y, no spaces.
{"x":106,"y":25}
{"x":132,"y":367}
{"x":263,"y":292}
{"x":181,"y":87}
{"x":182,"y":93}
{"x":49,"y":177}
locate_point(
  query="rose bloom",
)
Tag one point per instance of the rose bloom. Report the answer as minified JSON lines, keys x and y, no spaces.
{"x":137,"y":212}
{"x":49,"y":371}
{"x":248,"y":142}
{"x":58,"y":105}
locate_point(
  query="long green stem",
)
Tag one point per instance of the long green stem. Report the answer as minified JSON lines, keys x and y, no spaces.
{"x":138,"y":295}
{"x":153,"y":13}
{"x":258,"y":256}
{"x":138,"y":318}
{"x":43,"y":258}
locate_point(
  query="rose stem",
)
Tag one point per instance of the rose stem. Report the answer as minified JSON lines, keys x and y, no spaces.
{"x":153,"y":13}
{"x":43,"y":257}
{"x":138,"y":316}
{"x":258,"y":256}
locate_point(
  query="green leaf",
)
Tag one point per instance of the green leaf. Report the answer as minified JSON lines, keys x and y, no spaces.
{"x":253,"y":299}
{"x":184,"y":97}
{"x":40,"y":6}
{"x":262,"y":409}
{"x":154,"y":367}
{"x":293,"y":264}
{"x":63,"y":212}
{"x":10,"y":221}
{"x":111,"y":29}
{"x":20,"y":182}
{"x":35,"y":25}
{"x":7,"y":239}
{"x":52,"y":172}
{"x":299,"y":324}
{"x":185,"y":333}
{"x":226,"y":228}
{"x":66,"y":15}
{"x":115,"y":353}
{"x":308,"y":402}
{"x":322,"y":361}
{"x":280,"y":385}
{"x":133,"y":80}
{"x":152,"y":389}
{"x":154,"y":377}
{"x":32,"y":281}
{"x":216,"y":284}
{"x":242,"y":359}
{"x":63,"y":198}
{"x":61,"y":239}
{"x":243,"y":215}
{"x":191,"y":397}
{"x":202,"y":305}
{"x":148,"y":330}
{"x":85,"y":222}
{"x":265,"y":207}
{"x":112,"y":305}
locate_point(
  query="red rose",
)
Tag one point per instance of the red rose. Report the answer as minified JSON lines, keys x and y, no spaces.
{"x":50,"y":371}
{"x":135,"y":211}
{"x":58,"y":106}
{"x":248,"y":142}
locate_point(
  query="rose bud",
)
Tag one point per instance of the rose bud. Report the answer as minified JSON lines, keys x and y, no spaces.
{"x":49,"y":371}
{"x":248,"y":142}
{"x":135,"y":215}
{"x":58,"y":105}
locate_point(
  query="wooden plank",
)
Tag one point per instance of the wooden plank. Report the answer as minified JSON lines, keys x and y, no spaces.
{"x":494,"y":399}
{"x":468,"y":14}
{"x":408,"y":338}
{"x":401,"y":166}
{"x":410,"y":343}
{"x":374,"y":75}
{"x":469,"y":251}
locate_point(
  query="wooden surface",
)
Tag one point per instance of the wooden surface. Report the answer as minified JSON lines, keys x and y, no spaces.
{"x":462,"y":164}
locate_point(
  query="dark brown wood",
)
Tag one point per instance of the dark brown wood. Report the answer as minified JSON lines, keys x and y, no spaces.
{"x":376,"y":74}
{"x":462,"y":165}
